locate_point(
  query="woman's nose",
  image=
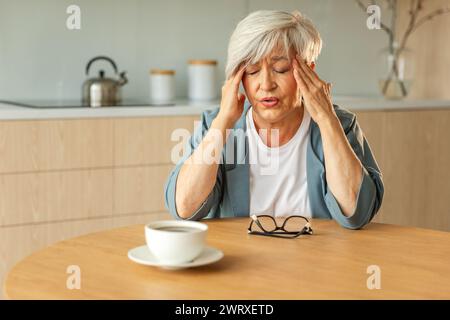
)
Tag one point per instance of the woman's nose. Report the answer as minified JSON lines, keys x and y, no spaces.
{"x":267,"y":82}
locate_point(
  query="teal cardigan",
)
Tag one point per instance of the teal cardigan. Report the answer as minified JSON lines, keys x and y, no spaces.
{"x":230,"y":195}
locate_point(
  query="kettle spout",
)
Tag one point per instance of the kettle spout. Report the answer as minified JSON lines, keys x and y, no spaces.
{"x":123,"y":79}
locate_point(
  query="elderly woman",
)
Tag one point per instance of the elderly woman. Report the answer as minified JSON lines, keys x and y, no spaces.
{"x":325,"y":166}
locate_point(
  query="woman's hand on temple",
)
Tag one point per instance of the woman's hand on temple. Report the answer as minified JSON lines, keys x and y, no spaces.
{"x":342,"y":167}
{"x":232,"y":103}
{"x":316,"y":93}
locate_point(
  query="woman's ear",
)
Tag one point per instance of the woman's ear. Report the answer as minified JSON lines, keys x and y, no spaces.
{"x":313,"y":65}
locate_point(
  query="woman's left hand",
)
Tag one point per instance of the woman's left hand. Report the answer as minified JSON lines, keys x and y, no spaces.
{"x":342,"y":167}
{"x":316,"y":92}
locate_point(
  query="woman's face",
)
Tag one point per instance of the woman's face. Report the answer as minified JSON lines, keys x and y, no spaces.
{"x":272,"y":77}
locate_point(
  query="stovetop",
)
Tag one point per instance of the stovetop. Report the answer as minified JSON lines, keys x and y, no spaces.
{"x":44,"y":104}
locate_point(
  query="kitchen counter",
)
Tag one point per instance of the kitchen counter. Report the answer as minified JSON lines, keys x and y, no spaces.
{"x":181,"y":107}
{"x":185,"y":107}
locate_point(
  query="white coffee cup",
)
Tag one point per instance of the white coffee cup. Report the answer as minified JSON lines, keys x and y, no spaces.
{"x":174,"y":241}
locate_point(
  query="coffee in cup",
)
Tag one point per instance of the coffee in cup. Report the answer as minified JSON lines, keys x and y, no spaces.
{"x":175,"y":241}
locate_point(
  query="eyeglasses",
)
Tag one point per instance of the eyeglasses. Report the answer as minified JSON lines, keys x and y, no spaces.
{"x":292,"y":227}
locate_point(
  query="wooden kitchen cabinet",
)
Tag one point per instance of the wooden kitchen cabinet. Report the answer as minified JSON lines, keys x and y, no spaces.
{"x":140,"y":189}
{"x":413,"y":151}
{"x":43,"y":145}
{"x":142,"y":141}
{"x":57,"y":170}
{"x":48,"y":196}
{"x":417,"y":171}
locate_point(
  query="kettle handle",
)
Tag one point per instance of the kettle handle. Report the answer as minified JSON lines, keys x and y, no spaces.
{"x":101,"y":58}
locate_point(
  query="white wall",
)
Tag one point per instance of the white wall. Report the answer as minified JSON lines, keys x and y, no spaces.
{"x":41,"y":59}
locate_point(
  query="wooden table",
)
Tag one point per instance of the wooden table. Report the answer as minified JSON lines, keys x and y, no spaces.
{"x":331,"y":264}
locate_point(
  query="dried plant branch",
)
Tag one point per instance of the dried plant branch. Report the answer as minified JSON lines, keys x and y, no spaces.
{"x":431,"y":16}
{"x":420,"y":22}
{"x":413,"y":13}
{"x":393,"y":6}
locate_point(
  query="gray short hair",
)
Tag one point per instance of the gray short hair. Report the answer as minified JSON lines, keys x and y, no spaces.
{"x":257,"y":35}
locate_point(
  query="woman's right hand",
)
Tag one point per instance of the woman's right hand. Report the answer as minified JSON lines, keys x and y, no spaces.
{"x":232,"y":104}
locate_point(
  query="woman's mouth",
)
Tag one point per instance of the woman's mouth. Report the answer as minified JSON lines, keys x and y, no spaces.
{"x":269,"y":102}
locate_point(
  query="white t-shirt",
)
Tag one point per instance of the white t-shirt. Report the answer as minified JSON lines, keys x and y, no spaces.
{"x":278,"y":185}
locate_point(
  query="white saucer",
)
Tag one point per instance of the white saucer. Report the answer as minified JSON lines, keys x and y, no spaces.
{"x":142,"y":255}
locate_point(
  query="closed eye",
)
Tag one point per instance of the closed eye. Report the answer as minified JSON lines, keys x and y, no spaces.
{"x":255,"y":72}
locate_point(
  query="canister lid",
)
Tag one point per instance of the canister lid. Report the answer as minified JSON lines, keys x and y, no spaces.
{"x":202,"y":61}
{"x":162,"y":71}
